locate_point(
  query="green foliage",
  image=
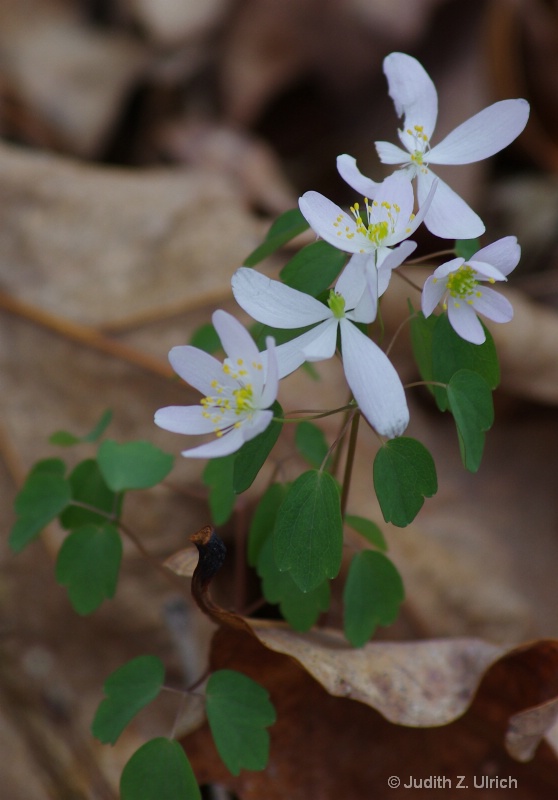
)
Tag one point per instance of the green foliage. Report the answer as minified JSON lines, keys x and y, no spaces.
{"x":300,"y":609}
{"x":308,"y":533}
{"x":311,"y":443}
{"x":89,"y":487}
{"x":239,"y":711}
{"x":422,"y":332}
{"x":88,"y":564}
{"x":404,"y":474}
{"x":314,"y":268}
{"x":159,"y":770}
{"x":465,"y":248}
{"x":218,"y":476}
{"x":66,"y":439}
{"x":263,"y":520}
{"x":368,"y":529}
{"x":206,"y":338}
{"x":451,"y":353}
{"x":128,"y":689}
{"x":285,"y":228}
{"x":133,"y":465}
{"x":40,"y":500}
{"x":470,"y":402}
{"x":372,"y":596}
{"x":252,"y":455}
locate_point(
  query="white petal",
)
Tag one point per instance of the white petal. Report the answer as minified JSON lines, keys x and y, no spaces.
{"x":271,"y":387}
{"x":274,"y":303}
{"x":184,"y":419}
{"x":319,"y":343}
{"x":352,"y":281}
{"x":374,"y":382}
{"x":448,"y":217}
{"x":448,"y":267}
{"x":432,"y":292}
{"x":485,"y":270}
{"x":493,"y":305}
{"x":197,"y":368}
{"x":412,"y":91}
{"x":391,"y":260}
{"x":396,"y":190}
{"x":347,"y":168}
{"x":503,"y":254}
{"x":331,"y":223}
{"x":389,"y":153}
{"x":465,"y":322}
{"x":482,"y":135}
{"x":235,"y":339}
{"x":289,"y":357}
{"x":221,"y":446}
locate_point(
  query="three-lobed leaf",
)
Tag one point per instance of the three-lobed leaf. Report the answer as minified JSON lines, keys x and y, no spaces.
{"x":368,"y":529}
{"x":313,"y":268}
{"x":252,"y":455}
{"x":159,"y":770}
{"x":43,"y":496}
{"x":263,"y":520}
{"x":88,"y":487}
{"x":128,"y":689}
{"x":88,"y":564}
{"x":133,"y":465}
{"x":239,"y":712}
{"x":308,"y":533}
{"x":218,"y":477}
{"x":470,"y":402}
{"x":372,"y":595}
{"x":290,"y":224}
{"x":66,"y":439}
{"x":404,"y":474}
{"x":311,"y":443}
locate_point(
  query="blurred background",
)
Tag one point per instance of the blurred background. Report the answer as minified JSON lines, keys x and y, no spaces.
{"x":145,"y":148}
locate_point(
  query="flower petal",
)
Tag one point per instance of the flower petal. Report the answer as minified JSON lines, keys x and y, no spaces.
{"x":221,"y":446}
{"x":449,"y":216}
{"x":331,"y":223}
{"x":235,"y":339}
{"x":412,"y":91}
{"x":389,"y":153}
{"x":395,"y":191}
{"x":465,"y":322}
{"x":352,"y":281}
{"x":393,"y":259}
{"x":448,"y":267}
{"x":432,"y":292}
{"x":493,"y":305}
{"x":374,"y":382}
{"x":347,"y":168}
{"x":274,"y":303}
{"x":503,"y":254}
{"x":197,"y":368}
{"x":483,"y":135}
{"x":184,"y":419}
{"x":269,"y":393}
{"x":485,"y":270}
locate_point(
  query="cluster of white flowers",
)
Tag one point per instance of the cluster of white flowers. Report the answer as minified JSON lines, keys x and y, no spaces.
{"x":238,"y":394}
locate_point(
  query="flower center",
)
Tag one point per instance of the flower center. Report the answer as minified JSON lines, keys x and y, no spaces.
{"x":462,"y":283}
{"x":230,"y":403}
{"x":420,"y":145}
{"x":336,"y":302}
{"x":374,"y":229}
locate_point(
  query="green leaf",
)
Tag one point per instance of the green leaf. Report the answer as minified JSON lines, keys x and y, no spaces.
{"x":128,"y":689}
{"x":404,"y":474}
{"x":314,"y":268}
{"x":450,"y":353}
{"x":133,"y":465}
{"x":422,"y":331}
{"x":470,"y":402}
{"x":311,"y":443}
{"x":206,"y":338}
{"x":43,"y":496}
{"x":285,"y":228}
{"x":372,"y":596}
{"x":51,"y":466}
{"x":252,"y":455}
{"x":368,"y":529}
{"x":308,"y":533}
{"x":159,"y":770}
{"x":300,"y":609}
{"x":465,"y":248}
{"x":66,"y":439}
{"x":88,"y":486}
{"x":263,"y":520}
{"x":88,"y":564}
{"x":218,"y":476}
{"x":239,"y":711}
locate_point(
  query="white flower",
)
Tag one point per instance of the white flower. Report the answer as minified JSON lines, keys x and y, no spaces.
{"x":237,"y":392}
{"x":375,"y":384}
{"x":458,"y":283}
{"x":370,"y":232}
{"x":481,"y":136}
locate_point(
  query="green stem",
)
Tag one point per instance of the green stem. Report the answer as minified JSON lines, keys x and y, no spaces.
{"x":349,"y":463}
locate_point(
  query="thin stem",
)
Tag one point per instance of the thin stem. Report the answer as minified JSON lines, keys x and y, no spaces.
{"x":409,"y":281}
{"x":426,"y":383}
{"x":312,"y":414}
{"x":430,"y":256}
{"x":396,"y":334}
{"x":349,"y":462}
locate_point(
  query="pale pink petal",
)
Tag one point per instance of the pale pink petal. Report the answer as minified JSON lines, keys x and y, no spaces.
{"x":374,"y":382}
{"x":330,"y":222}
{"x":448,"y":217}
{"x":412,"y":91}
{"x":465,"y":322}
{"x":274,"y":303}
{"x":503,"y":254}
{"x":235,"y":339}
{"x":184,"y":419}
{"x":493,"y":305}
{"x":483,"y":135}
{"x":197,"y":368}
{"x":347,"y":168}
{"x":432,"y":293}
